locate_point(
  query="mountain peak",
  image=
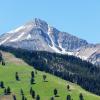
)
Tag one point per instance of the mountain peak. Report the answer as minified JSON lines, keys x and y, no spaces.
{"x":39,"y":29}
{"x":37,"y":22}
{"x":39,"y":36}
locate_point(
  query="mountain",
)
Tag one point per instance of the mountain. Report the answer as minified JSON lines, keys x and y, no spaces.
{"x":37,"y":35}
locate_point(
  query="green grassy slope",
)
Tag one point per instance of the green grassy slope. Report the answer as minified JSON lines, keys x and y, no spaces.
{"x":44,"y":89}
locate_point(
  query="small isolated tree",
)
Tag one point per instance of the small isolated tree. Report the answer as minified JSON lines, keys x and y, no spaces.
{"x":37,"y":97}
{"x":3,"y":63}
{"x":17,"y":76}
{"x":8,"y":91}
{"x":55,"y":92}
{"x":32,"y":74}
{"x":31,"y":90}
{"x":44,"y":77}
{"x":14,"y":97}
{"x":0,"y":56}
{"x":68,"y":87}
{"x":52,"y":98}
{"x":21,"y":92}
{"x":81,"y":96}
{"x":33,"y":94}
{"x":68,"y":97}
{"x":23,"y":97}
{"x":32,"y":80}
{"x":5,"y":91}
{"x":2,"y":84}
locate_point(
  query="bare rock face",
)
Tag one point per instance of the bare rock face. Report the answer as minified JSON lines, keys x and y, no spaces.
{"x":37,"y":35}
{"x":90,"y":52}
{"x":95,"y":57}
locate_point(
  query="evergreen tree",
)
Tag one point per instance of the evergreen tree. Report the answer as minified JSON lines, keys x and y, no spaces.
{"x":17,"y":76}
{"x":8,"y":91}
{"x":37,"y":97}
{"x":33,"y":94}
{"x":21,"y":91}
{"x":0,"y":56}
{"x":23,"y":97}
{"x":2,"y":84}
{"x":5,"y":91}
{"x":31,"y":90}
{"x":14,"y":97}
{"x":68,"y":87}
{"x":3,"y":62}
{"x":68,"y":97}
{"x":32,"y":74}
{"x":44,"y":77}
{"x":81,"y":96}
{"x":32,"y":80}
{"x":55,"y":92}
{"x":52,"y":98}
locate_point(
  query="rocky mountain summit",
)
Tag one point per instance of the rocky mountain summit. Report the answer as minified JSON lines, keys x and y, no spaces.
{"x":37,"y":35}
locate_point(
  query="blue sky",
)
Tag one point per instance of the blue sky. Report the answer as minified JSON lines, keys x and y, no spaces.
{"x":78,"y":17}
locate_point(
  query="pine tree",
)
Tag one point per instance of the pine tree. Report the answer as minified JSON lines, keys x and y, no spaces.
{"x":3,"y":63}
{"x":0,"y":56}
{"x":81,"y":96}
{"x":31,"y":90}
{"x":33,"y":94}
{"x":68,"y":97}
{"x":17,"y":76}
{"x":37,"y":97}
{"x":8,"y":91}
{"x":32,"y":80}
{"x":52,"y":98}
{"x":32,"y":74}
{"x":5,"y":91}
{"x":21,"y":91}
{"x":23,"y":97}
{"x":44,"y":77}
{"x":2,"y":84}
{"x":14,"y":97}
{"x":55,"y":92}
{"x":68,"y":87}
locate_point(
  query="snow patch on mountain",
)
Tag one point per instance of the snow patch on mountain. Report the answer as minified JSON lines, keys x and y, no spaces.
{"x":55,"y":47}
{"x":63,"y":51}
{"x":28,"y":37}
{"x":2,"y":42}
{"x":53,"y":44}
{"x":16,"y":39}
{"x":18,"y":29}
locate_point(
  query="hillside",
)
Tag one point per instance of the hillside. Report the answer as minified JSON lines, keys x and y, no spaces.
{"x":44,"y":89}
{"x":64,"y":66}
